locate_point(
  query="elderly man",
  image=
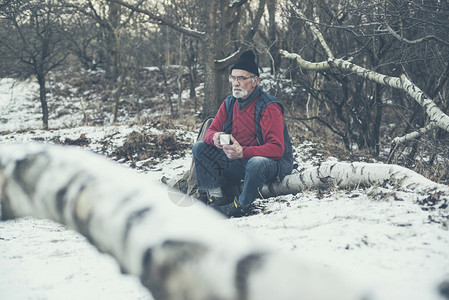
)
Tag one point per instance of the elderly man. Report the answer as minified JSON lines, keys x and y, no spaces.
{"x":260,"y":149}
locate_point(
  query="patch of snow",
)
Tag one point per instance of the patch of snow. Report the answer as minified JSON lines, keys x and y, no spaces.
{"x":388,"y":243}
{"x":19,"y":105}
{"x":41,"y":259}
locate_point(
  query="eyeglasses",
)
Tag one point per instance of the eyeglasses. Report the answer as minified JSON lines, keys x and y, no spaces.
{"x":240,"y":79}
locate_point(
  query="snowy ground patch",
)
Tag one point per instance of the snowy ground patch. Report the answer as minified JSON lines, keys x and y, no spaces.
{"x":389,"y":242}
{"x":41,"y":259}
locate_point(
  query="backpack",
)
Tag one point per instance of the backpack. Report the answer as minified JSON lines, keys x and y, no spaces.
{"x":187,"y":184}
{"x":192,"y":188}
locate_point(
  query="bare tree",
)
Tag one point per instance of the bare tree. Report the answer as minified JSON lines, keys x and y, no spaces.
{"x":218,"y":25}
{"x":434,"y":113}
{"x":85,"y":41}
{"x":33,"y":39}
{"x":272,"y":40}
{"x":109,"y":16}
{"x":394,"y":38}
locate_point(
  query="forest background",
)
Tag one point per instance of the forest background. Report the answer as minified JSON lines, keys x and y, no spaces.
{"x":203,"y":38}
{"x":360,"y":81}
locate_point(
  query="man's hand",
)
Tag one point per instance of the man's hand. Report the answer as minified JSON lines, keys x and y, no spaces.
{"x":216,"y":140}
{"x":233,"y":151}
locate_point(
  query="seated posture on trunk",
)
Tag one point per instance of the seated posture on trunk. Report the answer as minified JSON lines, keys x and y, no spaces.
{"x":259,"y":150}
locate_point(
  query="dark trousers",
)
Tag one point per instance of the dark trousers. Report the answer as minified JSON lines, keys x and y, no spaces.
{"x":214,"y":169}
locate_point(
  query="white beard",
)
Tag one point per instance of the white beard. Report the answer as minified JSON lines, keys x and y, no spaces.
{"x":239,"y":93}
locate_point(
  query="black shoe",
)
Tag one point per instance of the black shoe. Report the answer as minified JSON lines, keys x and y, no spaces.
{"x":232,"y":210}
{"x":218,"y":201}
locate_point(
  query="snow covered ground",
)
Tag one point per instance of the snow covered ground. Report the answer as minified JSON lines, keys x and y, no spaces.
{"x":386,"y":242}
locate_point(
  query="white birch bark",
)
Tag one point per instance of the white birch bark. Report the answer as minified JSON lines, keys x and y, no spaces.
{"x":414,"y":135}
{"x":178,"y":253}
{"x":359,"y":174}
{"x":436,"y":115}
{"x":410,"y":136}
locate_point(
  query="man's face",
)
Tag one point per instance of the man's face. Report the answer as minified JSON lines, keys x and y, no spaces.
{"x":244,"y":88}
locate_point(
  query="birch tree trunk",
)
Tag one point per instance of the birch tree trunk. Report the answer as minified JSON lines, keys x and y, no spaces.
{"x":178,"y":253}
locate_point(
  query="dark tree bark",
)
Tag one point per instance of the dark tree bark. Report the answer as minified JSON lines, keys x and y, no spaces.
{"x":273,"y":39}
{"x":43,"y":98}
{"x":221,"y":18}
{"x":33,"y":39}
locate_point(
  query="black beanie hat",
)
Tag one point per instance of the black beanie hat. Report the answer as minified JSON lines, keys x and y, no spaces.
{"x":247,"y":62}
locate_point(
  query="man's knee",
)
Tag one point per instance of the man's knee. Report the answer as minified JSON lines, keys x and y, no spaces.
{"x":204,"y":152}
{"x":257,"y":162}
{"x":198,"y":148}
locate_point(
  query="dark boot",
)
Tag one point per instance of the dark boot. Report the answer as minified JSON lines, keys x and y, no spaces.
{"x":232,"y":210}
{"x":218,"y":201}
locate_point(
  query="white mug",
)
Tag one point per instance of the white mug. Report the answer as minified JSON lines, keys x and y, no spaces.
{"x":225,"y":139}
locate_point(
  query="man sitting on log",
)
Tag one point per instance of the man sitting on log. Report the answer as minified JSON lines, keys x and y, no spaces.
{"x":258,"y":149}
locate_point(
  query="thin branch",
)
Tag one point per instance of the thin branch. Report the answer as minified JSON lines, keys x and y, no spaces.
{"x":237,"y":3}
{"x":230,"y":59}
{"x":415,"y":134}
{"x":226,"y":62}
{"x":417,"y":41}
{"x":324,"y":65}
{"x":315,"y":31}
{"x":409,"y":137}
{"x":322,"y":122}
{"x":403,"y":39}
{"x":161,"y":20}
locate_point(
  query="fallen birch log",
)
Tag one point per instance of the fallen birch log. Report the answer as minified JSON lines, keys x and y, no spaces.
{"x":178,"y":253}
{"x":350,"y":175}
